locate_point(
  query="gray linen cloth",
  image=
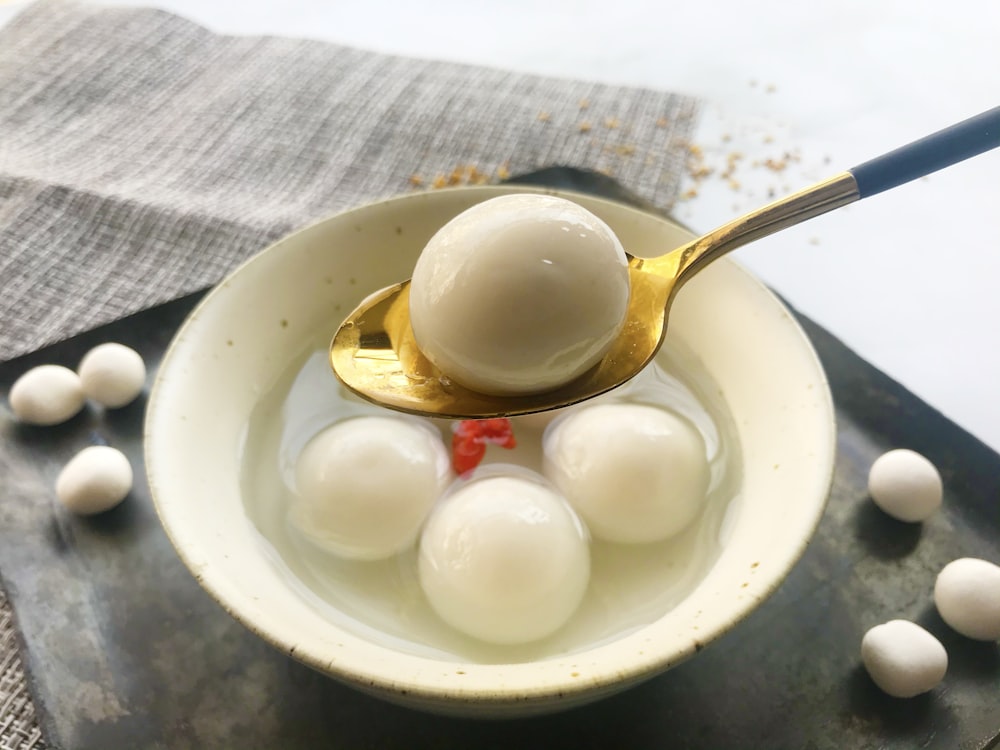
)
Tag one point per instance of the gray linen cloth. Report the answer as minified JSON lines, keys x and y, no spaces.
{"x":18,"y":723}
{"x":143,"y":157}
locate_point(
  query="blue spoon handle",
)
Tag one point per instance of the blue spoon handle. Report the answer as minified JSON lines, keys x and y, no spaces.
{"x":929,"y":154}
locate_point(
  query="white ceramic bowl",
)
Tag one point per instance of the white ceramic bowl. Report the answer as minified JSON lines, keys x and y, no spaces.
{"x":239,"y":340}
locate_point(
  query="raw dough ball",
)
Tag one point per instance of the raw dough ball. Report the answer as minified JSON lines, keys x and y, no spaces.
{"x":95,"y":480}
{"x":365,"y":485}
{"x":519,"y":294}
{"x":46,"y":395}
{"x":112,"y":374}
{"x":634,"y":473}
{"x":967,"y":594}
{"x":903,"y":659}
{"x":905,"y":485}
{"x":504,"y":559}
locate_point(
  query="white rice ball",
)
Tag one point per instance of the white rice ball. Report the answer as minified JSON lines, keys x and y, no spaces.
{"x":519,"y":294}
{"x":504,"y":559}
{"x":112,"y":374}
{"x":635,"y":473}
{"x":366,"y":484}
{"x":46,"y":395}
{"x":903,"y":659}
{"x":967,"y":595}
{"x":905,"y":485}
{"x":95,"y":480}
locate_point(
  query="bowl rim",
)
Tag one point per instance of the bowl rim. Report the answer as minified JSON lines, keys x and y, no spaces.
{"x":482,"y":683}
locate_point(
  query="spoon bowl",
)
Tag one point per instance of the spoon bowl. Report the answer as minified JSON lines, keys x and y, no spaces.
{"x":374,"y":352}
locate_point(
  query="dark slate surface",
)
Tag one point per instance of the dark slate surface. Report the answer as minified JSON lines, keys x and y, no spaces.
{"x":124,"y":650}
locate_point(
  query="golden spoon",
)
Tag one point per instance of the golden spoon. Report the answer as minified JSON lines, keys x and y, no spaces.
{"x":375,"y":355}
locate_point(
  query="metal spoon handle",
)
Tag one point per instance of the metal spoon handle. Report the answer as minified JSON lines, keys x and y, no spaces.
{"x":929,"y":154}
{"x":936,"y":151}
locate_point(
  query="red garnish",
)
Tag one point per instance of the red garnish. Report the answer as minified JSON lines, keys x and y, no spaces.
{"x":466,"y":453}
{"x":471,"y":436}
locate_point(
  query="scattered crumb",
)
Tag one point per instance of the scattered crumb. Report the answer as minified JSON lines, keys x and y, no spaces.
{"x":461,"y":174}
{"x":476,"y":177}
{"x":771,"y":88}
{"x":662,"y":122}
{"x":612,"y":123}
{"x":700,"y":171}
{"x":734,"y":168}
{"x":416,"y":180}
{"x":585,"y":126}
{"x":544,"y":117}
{"x":503,"y":171}
{"x":731,"y":163}
{"x":584,"y":103}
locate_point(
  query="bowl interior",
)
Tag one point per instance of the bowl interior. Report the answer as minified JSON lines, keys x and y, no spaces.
{"x":237,"y":344}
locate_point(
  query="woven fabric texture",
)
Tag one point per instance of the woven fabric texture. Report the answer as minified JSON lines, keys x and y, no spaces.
{"x":18,"y":723}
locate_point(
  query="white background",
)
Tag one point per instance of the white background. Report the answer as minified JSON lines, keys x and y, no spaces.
{"x":908,"y":279}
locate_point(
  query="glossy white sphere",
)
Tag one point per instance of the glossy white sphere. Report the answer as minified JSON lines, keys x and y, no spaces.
{"x":365,"y":485}
{"x":519,"y":294}
{"x":504,"y":559}
{"x":634,"y":473}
